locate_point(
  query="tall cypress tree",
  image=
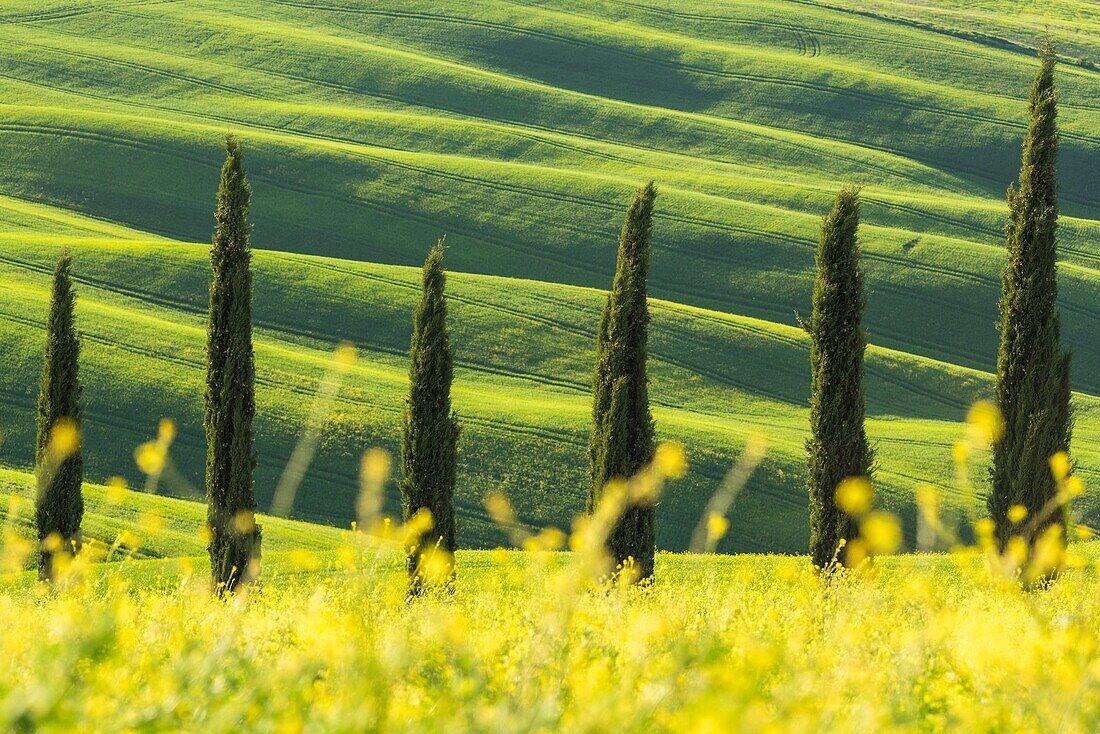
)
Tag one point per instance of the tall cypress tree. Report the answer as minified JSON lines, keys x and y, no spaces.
{"x":837,"y":447}
{"x":230,"y":389}
{"x":429,"y":449}
{"x":60,"y":504}
{"x":622,"y":439}
{"x":1033,"y":390}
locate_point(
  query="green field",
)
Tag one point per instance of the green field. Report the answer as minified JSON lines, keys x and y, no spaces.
{"x":519,"y":130}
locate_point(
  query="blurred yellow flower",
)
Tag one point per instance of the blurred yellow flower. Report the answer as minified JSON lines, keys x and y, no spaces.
{"x":116,"y":491}
{"x":717,"y":525}
{"x":15,"y":502}
{"x":670,"y":460}
{"x":928,"y":500}
{"x":128,"y":539}
{"x":548,"y":539}
{"x":345,"y":354}
{"x":854,"y":496}
{"x":436,"y":566}
{"x":1060,"y":465}
{"x":150,"y":457}
{"x":1017,"y":513}
{"x":985,"y":422}
{"x":499,"y":508}
{"x":1016,"y":550}
{"x":244,"y":521}
{"x":881,"y":531}
{"x":419,"y":524}
{"x":376,"y":465}
{"x":64,"y":439}
{"x":166,"y":431}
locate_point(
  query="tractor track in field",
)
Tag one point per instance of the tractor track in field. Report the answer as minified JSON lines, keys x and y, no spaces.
{"x":562,"y":259}
{"x":706,"y":71}
{"x":575,"y":330}
{"x":864,"y":39}
{"x":872,"y":369}
{"x":275,"y":328}
{"x":779,"y":310}
{"x":279,"y":183}
{"x":86,"y":8}
{"x":144,"y":69}
{"x":307,"y":392}
{"x":719,"y":124}
{"x":337,"y":479}
{"x":763,"y":333}
{"x":587,"y":334}
{"x":530,"y":192}
{"x":772,"y":23}
{"x":504,"y":128}
{"x":590,"y":335}
{"x":978,"y":229}
{"x":275,"y":385}
{"x":317,"y":470}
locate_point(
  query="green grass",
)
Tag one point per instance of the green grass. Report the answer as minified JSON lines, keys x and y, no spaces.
{"x":373,"y":128}
{"x":166,"y":527}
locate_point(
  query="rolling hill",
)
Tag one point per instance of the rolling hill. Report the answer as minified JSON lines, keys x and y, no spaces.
{"x":519,"y":130}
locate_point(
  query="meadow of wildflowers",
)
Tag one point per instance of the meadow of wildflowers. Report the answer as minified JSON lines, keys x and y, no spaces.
{"x":719,"y":643}
{"x":532,"y":640}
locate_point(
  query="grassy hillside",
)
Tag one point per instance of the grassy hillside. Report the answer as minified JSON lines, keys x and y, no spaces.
{"x":159,"y":527}
{"x":519,"y":130}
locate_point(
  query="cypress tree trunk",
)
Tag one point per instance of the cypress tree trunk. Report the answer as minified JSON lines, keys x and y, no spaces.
{"x":837,"y":447}
{"x":1033,"y":390}
{"x":230,"y":375}
{"x":429,"y":449}
{"x":622,"y":439}
{"x":60,"y":505}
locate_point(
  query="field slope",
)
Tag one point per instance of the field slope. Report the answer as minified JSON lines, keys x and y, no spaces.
{"x":519,"y":130}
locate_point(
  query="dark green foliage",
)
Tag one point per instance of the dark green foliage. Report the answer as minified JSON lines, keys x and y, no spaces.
{"x":622,"y":428}
{"x":837,"y":447}
{"x":1032,"y":369}
{"x":429,"y":448}
{"x":60,"y":504}
{"x":230,"y":389}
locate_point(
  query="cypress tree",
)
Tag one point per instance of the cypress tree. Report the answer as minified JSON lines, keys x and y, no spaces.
{"x":622,"y":439}
{"x":60,"y":505}
{"x":837,"y":447}
{"x":429,"y":449}
{"x":230,"y":390}
{"x":1033,"y":390}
